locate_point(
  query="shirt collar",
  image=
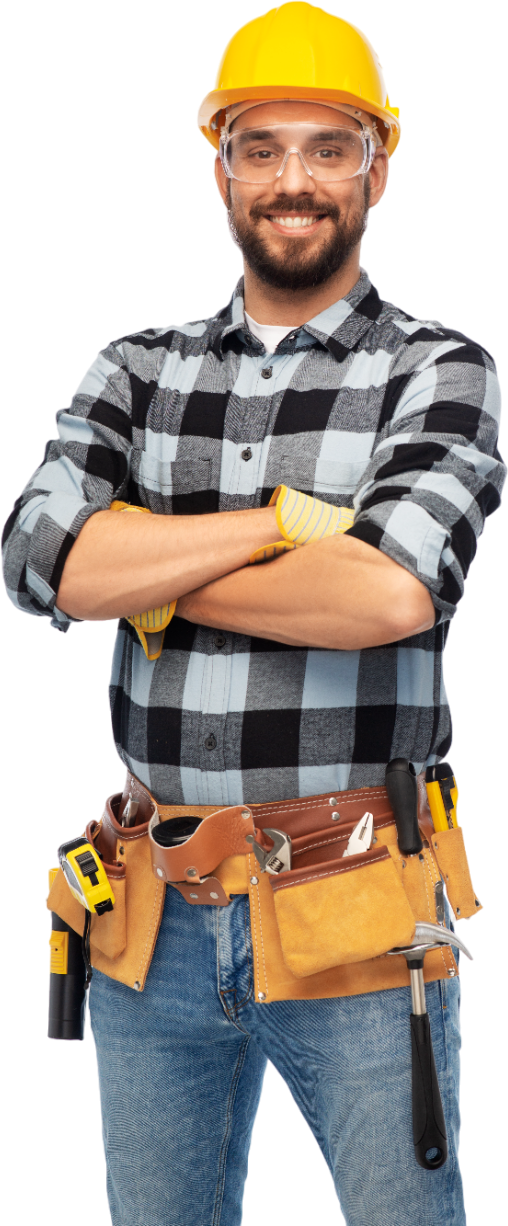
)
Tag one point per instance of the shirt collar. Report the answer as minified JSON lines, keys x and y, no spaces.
{"x":338,"y":329}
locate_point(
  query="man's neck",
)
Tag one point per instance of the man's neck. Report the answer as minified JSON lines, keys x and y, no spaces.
{"x":268,"y":305}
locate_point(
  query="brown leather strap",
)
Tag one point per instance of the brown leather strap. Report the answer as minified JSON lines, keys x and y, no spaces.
{"x":210,"y":892}
{"x":114,"y":868}
{"x":317,"y":823}
{"x":220,"y":835}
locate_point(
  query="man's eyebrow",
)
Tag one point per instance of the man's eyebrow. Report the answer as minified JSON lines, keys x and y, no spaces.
{"x":330,"y":132}
{"x":255,"y":133}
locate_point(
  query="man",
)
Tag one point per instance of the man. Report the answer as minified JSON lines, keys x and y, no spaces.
{"x":302,"y":675}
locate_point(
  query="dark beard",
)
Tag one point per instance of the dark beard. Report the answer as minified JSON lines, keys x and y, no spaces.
{"x":296,"y":269}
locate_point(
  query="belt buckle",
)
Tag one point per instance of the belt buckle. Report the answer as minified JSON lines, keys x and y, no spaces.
{"x":278,"y":858}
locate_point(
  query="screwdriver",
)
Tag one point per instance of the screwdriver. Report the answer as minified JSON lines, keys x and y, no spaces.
{"x":442,"y":794}
{"x":402,"y":791}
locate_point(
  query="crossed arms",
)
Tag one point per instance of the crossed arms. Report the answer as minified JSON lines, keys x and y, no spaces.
{"x":338,"y":593}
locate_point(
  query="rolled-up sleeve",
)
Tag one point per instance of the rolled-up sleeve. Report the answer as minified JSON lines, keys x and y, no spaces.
{"x":82,"y":472}
{"x":436,"y":473}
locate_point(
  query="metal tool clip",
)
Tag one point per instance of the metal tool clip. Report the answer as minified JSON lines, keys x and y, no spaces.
{"x":130,"y":811}
{"x":278,"y":858}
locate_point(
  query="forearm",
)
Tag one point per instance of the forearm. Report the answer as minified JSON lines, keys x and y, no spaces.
{"x":122,"y":564}
{"x":339,"y":593}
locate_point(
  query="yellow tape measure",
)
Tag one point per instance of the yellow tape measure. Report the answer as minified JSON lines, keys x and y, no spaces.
{"x":442,"y":794}
{"x":86,"y":876}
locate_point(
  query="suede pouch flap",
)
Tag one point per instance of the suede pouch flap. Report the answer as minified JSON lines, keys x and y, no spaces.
{"x":450,"y":853}
{"x":65,"y":905}
{"x":348,"y":911}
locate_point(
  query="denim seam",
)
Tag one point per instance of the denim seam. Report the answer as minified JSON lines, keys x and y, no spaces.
{"x":228,"y":991}
{"x":248,"y":952}
{"x":221,"y":1179}
{"x":446,"y":1097}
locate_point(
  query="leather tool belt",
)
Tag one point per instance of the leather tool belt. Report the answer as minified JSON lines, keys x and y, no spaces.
{"x":320,"y":929}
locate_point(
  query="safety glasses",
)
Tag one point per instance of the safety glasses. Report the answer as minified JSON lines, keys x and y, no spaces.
{"x":327,"y":153}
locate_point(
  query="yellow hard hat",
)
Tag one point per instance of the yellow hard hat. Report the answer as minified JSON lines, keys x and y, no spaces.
{"x":299,"y":51}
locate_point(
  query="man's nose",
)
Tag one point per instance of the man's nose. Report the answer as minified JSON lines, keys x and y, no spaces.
{"x":294,"y":179}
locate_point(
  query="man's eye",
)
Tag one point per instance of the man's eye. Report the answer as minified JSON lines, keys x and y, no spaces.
{"x":328,"y":154}
{"x":263,"y":154}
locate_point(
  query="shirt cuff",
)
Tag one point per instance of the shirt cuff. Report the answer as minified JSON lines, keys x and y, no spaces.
{"x":53,"y":535}
{"x":406,"y":532}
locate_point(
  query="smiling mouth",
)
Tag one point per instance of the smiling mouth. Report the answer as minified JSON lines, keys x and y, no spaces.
{"x":298,"y":221}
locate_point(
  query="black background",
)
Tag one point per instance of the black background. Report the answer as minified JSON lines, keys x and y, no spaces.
{"x":114,"y":224}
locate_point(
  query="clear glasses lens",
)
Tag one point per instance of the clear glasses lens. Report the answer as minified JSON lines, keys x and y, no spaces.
{"x":328,"y":153}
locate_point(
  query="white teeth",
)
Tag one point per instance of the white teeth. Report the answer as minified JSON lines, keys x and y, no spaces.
{"x":294,"y":223}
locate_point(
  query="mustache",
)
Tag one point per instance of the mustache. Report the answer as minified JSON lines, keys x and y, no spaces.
{"x":299,"y":204}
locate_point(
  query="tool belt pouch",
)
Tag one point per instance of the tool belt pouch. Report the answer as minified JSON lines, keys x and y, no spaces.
{"x":122,"y":940}
{"x":109,"y":939}
{"x":450,"y":853}
{"x":348,"y":910}
{"x":108,"y":931}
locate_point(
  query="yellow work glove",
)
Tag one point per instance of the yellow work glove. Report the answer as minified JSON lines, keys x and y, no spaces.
{"x":301,"y":520}
{"x":149,"y":626}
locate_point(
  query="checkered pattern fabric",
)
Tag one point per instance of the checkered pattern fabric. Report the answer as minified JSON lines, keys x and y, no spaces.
{"x":364,"y":406}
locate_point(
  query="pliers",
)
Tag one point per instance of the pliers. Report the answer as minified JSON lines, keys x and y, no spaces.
{"x":361,"y":837}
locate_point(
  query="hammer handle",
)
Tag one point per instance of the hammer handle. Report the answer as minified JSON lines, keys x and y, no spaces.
{"x":429,"y":1129}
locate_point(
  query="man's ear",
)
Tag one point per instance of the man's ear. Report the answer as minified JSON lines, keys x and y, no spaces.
{"x":222,"y":181}
{"x":378,"y":175}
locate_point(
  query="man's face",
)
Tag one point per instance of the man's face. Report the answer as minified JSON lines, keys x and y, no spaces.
{"x":334,"y":213}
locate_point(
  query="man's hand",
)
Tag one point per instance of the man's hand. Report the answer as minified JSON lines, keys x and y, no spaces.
{"x":338,"y":593}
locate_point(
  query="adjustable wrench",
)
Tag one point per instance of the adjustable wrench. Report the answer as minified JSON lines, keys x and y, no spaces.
{"x":278,"y":859}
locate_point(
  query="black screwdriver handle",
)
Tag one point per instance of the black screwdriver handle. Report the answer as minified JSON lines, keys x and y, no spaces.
{"x":402,"y":791}
{"x":429,"y":1129}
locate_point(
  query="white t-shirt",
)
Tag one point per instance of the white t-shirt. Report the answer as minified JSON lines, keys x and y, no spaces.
{"x":270,"y":334}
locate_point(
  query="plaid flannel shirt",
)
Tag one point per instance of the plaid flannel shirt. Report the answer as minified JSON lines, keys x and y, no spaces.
{"x":363,"y":406}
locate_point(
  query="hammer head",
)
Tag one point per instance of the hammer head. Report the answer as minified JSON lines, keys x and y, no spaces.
{"x":430,"y":936}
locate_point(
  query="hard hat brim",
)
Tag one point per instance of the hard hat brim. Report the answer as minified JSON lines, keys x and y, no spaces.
{"x":217,"y":100}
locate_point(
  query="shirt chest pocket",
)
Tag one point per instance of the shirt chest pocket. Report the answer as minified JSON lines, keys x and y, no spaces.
{"x":177,"y":487}
{"x":334,"y":480}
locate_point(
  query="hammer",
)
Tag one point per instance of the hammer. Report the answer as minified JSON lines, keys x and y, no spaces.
{"x":429,"y":1129}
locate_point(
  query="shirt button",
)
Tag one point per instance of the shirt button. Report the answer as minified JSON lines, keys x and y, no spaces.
{"x":210,"y":742}
{"x":266,"y":373}
{"x":246,"y":454}
{"x":220,"y":640}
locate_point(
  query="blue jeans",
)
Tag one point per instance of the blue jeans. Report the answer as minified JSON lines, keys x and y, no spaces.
{"x":181,"y":1067}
